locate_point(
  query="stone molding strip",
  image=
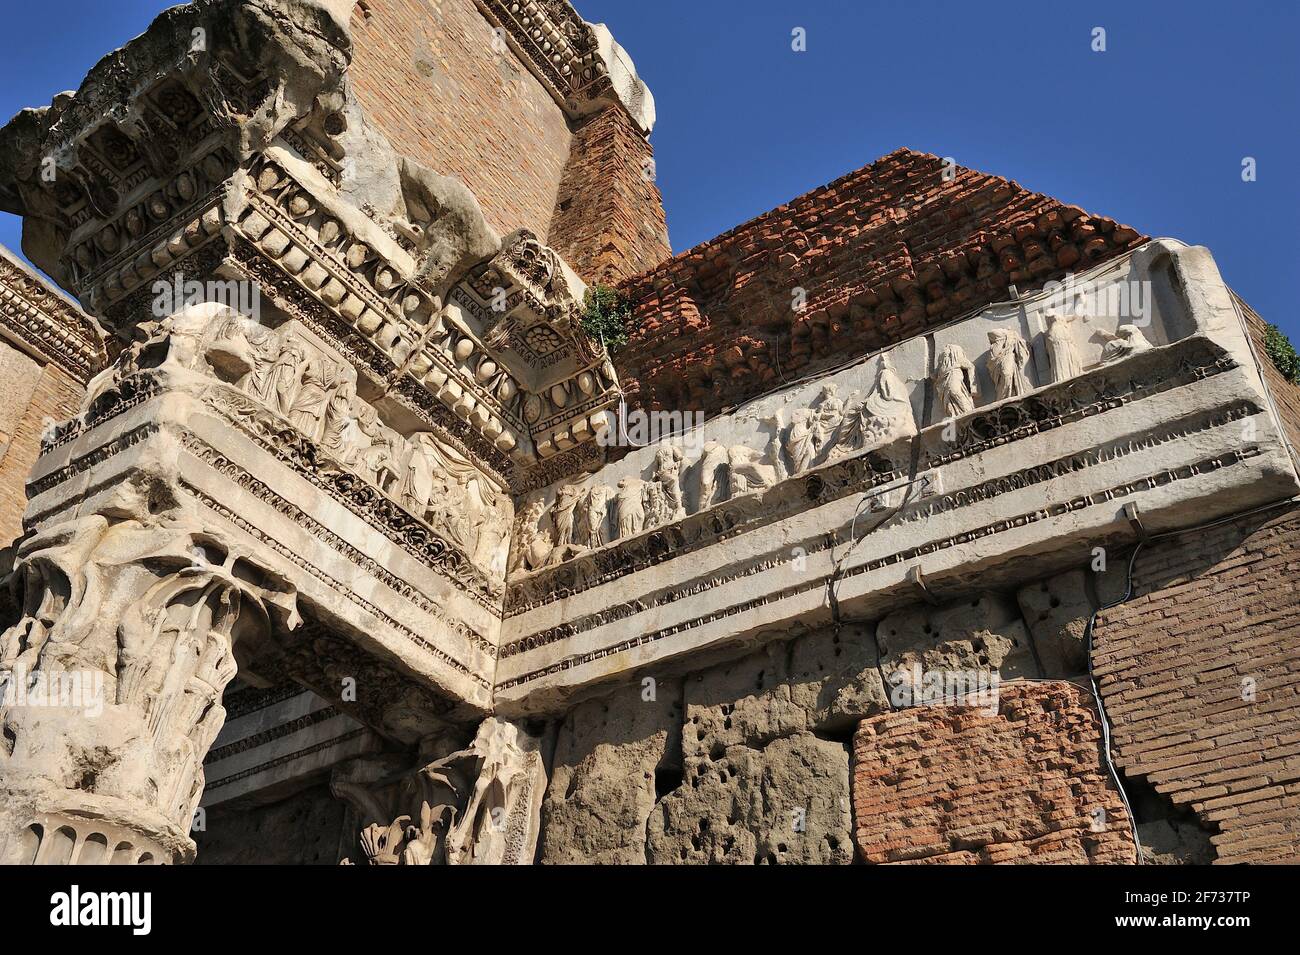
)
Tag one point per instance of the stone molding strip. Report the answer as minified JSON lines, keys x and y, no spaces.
{"x":242,"y":702}
{"x":41,"y":321}
{"x":84,"y":463}
{"x":919,"y":511}
{"x":1154,"y":480}
{"x":268,"y":735}
{"x":282,"y":760}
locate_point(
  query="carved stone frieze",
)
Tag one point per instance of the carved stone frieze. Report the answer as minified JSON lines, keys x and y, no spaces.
{"x":1095,"y":393}
{"x":1127,"y":340}
{"x":1062,"y":352}
{"x":582,"y":518}
{"x":838,"y":427}
{"x":583,"y":568}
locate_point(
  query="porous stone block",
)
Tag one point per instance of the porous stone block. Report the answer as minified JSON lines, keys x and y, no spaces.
{"x":759,"y":785}
{"x":744,"y":703}
{"x":786,"y":803}
{"x":609,"y":754}
{"x":727,"y":766}
{"x":1057,"y":611}
{"x":984,"y":634}
{"x":823,"y":682}
{"x":835,"y":676}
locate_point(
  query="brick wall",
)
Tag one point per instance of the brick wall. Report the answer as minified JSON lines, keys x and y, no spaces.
{"x":960,"y":786}
{"x":427,"y":75}
{"x":1286,"y":396}
{"x":882,"y":254}
{"x":19,"y":373}
{"x":49,"y":348}
{"x":55,"y":396}
{"x":609,"y":218}
{"x":1200,"y":673}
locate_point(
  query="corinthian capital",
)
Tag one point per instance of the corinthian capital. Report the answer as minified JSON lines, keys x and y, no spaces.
{"x":126,"y":635}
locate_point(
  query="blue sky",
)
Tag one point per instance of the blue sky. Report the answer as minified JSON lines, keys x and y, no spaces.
{"x":1151,"y":132}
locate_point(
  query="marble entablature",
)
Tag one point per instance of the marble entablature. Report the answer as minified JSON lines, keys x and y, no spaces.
{"x":1169,"y":414}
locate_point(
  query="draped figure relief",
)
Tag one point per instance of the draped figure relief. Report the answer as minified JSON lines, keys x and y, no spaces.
{"x":955,"y":384}
{"x":881,"y":415}
{"x":1127,"y":340}
{"x":1062,"y":353}
{"x":1007,"y":357}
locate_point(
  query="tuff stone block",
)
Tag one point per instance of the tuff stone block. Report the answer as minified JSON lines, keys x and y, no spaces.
{"x":984,"y":634}
{"x":610,"y":755}
{"x":786,"y":802}
{"x":1057,"y":611}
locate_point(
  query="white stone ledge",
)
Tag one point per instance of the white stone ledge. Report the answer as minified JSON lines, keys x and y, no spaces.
{"x":997,"y":559}
{"x":289,"y":546}
{"x":292,"y":756}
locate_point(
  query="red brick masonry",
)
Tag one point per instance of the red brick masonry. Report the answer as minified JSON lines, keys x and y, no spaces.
{"x":432,"y":76}
{"x":1200,"y":673}
{"x":56,"y":397}
{"x":427,"y":73}
{"x":609,"y":217}
{"x":960,"y":786}
{"x":882,"y":254}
